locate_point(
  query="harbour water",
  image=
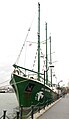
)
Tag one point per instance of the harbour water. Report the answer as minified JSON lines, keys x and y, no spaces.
{"x":8,"y":101}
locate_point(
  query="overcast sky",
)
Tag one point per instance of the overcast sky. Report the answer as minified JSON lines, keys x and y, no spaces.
{"x":15,"y":19}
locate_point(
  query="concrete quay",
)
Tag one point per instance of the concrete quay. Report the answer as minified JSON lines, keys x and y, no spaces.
{"x":57,"y":110}
{"x":39,"y":114}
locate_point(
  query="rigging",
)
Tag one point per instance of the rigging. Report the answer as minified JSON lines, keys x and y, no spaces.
{"x":24,"y":41}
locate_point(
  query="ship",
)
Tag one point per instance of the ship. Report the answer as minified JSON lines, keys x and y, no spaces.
{"x":28,"y":89}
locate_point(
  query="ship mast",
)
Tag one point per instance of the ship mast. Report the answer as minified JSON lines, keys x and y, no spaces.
{"x":38,"y":41}
{"x":46,"y":57}
{"x":50,"y":61}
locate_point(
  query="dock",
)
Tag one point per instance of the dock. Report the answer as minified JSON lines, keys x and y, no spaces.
{"x":58,"y":110}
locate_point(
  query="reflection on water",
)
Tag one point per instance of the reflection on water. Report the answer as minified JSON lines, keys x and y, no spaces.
{"x":8,"y":101}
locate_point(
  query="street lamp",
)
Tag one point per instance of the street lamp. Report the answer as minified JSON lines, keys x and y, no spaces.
{"x":44,"y":81}
{"x":46,"y":71}
{"x":56,"y":79}
{"x":60,"y":81}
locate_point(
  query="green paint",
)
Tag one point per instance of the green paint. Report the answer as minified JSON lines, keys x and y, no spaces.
{"x":28,"y":95}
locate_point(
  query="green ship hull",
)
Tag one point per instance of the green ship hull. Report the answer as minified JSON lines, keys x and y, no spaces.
{"x":31,"y":92}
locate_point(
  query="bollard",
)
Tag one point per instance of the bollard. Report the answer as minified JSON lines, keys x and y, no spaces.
{"x":21,"y":111}
{"x":17,"y":115}
{"x":44,"y":105}
{"x":4,"y":115}
{"x":39,"y":109}
{"x":32,"y":112}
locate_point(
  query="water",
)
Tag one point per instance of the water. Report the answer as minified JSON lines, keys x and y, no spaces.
{"x":8,"y":101}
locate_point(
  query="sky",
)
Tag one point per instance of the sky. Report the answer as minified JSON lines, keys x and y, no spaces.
{"x":16,"y":17}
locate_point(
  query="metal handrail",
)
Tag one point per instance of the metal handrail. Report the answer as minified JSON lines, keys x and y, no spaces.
{"x":16,"y":66}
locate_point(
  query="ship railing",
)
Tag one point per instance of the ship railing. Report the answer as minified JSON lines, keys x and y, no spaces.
{"x":27,"y":72}
{"x":19,"y":67}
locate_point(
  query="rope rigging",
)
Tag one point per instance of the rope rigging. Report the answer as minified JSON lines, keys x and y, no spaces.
{"x":35,"y":59}
{"x":22,"y":47}
{"x":24,"y":42}
{"x":42,"y":56}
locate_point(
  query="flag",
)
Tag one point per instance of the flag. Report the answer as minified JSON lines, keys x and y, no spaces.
{"x":30,"y":44}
